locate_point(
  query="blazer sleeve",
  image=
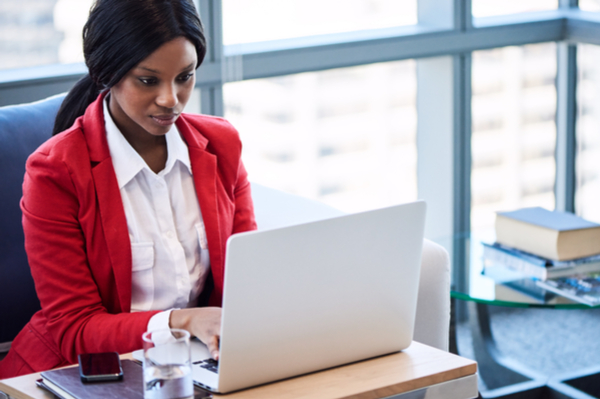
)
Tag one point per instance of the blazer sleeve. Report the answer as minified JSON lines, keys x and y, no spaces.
{"x":56,"y":205}
{"x":243,"y":219}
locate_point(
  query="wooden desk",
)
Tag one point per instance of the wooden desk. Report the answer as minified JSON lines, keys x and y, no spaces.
{"x":412,"y":372}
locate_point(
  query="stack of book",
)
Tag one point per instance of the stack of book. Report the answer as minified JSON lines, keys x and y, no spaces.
{"x":560,"y":250}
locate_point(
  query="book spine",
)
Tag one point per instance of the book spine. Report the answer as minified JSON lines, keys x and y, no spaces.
{"x":505,"y":259}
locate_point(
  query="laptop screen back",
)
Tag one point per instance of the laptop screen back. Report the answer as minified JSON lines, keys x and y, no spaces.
{"x":312,"y":296}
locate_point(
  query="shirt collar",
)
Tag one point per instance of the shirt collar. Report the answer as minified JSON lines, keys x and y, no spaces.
{"x":178,"y":150}
{"x":128,"y":163}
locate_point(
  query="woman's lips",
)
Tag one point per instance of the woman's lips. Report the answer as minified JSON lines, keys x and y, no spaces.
{"x":165,"y":119}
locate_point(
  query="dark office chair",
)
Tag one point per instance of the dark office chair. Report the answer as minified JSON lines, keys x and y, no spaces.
{"x":22,"y":129}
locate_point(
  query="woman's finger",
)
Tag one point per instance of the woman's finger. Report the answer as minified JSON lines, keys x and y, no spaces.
{"x":213,"y":346}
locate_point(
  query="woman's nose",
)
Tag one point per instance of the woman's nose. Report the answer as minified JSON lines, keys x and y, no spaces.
{"x":167,"y":97}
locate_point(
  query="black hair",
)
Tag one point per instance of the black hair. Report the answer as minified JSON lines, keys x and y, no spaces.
{"x":117,"y":36}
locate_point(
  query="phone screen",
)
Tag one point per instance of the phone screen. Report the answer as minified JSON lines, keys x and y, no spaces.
{"x":100,"y":366}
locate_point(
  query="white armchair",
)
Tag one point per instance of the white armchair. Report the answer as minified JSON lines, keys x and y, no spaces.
{"x":274,"y":208}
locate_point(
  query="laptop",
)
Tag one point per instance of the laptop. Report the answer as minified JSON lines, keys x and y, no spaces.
{"x":313,"y":296}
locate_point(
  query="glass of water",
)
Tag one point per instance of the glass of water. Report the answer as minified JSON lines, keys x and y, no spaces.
{"x":167,"y":367}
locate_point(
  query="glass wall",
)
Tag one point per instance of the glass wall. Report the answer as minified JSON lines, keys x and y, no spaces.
{"x":321,"y":134}
{"x":41,"y":32}
{"x":488,"y":8}
{"x":344,"y":136}
{"x":589,"y":5}
{"x":587,"y":195}
{"x":513,"y":130}
{"x":247,"y":21}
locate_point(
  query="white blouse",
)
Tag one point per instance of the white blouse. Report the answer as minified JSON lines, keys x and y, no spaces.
{"x":169,"y":250}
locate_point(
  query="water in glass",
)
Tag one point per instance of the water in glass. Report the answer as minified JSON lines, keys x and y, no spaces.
{"x":168,"y":381}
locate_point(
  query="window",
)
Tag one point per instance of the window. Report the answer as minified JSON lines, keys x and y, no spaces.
{"x":41,"y":32}
{"x":588,"y":139}
{"x":194,"y":105}
{"x":488,"y":8}
{"x":589,"y":5}
{"x":344,"y":136}
{"x":251,"y":21}
{"x":258,"y":100}
{"x":513,"y":130}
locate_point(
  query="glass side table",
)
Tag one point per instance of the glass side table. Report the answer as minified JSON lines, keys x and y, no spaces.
{"x":472,"y":292}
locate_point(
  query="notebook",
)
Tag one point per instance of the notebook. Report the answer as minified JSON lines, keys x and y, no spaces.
{"x":66,"y":383}
{"x":313,"y":296}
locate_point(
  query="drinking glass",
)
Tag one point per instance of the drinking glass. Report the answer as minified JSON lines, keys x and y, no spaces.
{"x":167,"y":365}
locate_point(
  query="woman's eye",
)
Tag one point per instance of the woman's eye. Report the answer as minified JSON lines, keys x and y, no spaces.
{"x":148,"y":81}
{"x":186,"y":77}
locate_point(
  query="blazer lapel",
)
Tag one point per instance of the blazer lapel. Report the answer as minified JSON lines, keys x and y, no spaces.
{"x":114,"y":224}
{"x":204,"y":169}
{"x":112,"y":214}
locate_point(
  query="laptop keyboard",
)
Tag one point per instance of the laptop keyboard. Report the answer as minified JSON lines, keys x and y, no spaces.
{"x":209,"y":364}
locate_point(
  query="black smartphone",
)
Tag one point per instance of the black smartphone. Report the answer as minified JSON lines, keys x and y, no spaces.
{"x":104,"y":366}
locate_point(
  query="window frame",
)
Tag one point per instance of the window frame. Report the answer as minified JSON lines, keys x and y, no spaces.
{"x":441,"y":42}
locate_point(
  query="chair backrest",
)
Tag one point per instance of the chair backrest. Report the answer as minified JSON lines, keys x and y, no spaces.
{"x":23,"y":128}
{"x":274,"y":208}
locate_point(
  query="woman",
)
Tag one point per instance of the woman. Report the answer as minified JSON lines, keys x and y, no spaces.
{"x":127,"y":210}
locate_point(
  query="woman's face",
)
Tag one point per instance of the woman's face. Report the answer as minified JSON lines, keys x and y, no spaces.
{"x":150,"y":98}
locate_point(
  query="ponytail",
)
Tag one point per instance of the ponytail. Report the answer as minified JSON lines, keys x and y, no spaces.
{"x":75,"y":103}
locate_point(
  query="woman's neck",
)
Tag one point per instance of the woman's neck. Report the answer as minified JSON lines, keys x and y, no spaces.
{"x":152,"y":149}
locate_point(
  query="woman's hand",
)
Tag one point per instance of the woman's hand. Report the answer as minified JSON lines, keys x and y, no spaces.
{"x":203,"y":323}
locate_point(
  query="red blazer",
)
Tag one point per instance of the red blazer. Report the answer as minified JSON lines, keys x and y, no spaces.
{"x":78,"y":244}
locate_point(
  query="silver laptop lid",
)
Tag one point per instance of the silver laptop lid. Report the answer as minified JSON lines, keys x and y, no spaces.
{"x":312,"y":296}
